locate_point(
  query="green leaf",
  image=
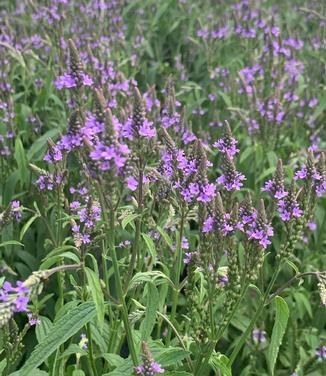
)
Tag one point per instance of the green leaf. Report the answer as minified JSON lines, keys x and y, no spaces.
{"x":59,"y":333}
{"x":3,"y":364}
{"x":265,"y":173}
{"x":73,"y":349}
{"x":21,"y":160}
{"x":272,"y":158}
{"x":27,"y":225}
{"x":43,"y":328}
{"x":225,"y":97}
{"x":11,"y":242}
{"x":153,"y":300}
{"x":59,"y":250}
{"x":151,"y":246}
{"x":124,"y":369}
{"x":154,"y":275}
{"x":219,"y":362}
{"x":293,"y":266}
{"x":281,"y":320}
{"x":41,"y":142}
{"x":170,"y":356}
{"x":39,"y":372}
{"x":97,"y":295}
{"x":165,"y":236}
{"x":53,"y":260}
{"x":114,"y":360}
{"x":99,"y":337}
{"x":246,"y":153}
{"x":129,"y":219}
{"x":78,"y":372}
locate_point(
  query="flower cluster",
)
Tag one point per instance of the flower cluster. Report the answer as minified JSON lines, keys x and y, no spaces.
{"x":314,"y":175}
{"x":259,"y":229}
{"x":14,"y":210}
{"x":17,"y":296}
{"x":186,"y":172}
{"x":276,"y":186}
{"x":224,"y":223}
{"x":287,"y":204}
{"x":87,"y":214}
{"x":231,"y":179}
{"x":289,"y":207}
{"x":49,"y":181}
{"x":227,"y":144}
{"x":76,"y":77}
{"x":149,"y":367}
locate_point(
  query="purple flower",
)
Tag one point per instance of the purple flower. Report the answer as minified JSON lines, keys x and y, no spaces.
{"x":75,"y":205}
{"x":132,"y":183}
{"x":149,"y":370}
{"x":321,"y":353}
{"x":147,"y":130}
{"x":33,"y":320}
{"x":313,"y":102}
{"x":225,"y":147}
{"x":21,"y":303}
{"x":231,"y":182}
{"x":301,"y":174}
{"x":223,"y":280}
{"x":229,"y":225}
{"x":124,"y":244}
{"x":231,"y":178}
{"x":184,"y":243}
{"x":289,"y":208}
{"x":156,"y":368}
{"x":87,"y":81}
{"x":65,"y":81}
{"x":207,"y":193}
{"x":85,"y":238}
{"x":17,"y":209}
{"x":83,"y":341}
{"x":259,"y":336}
{"x":18,"y":296}
{"x":188,"y":257}
{"x":312,"y":226}
{"x":260,"y":231}
{"x":208,"y":224}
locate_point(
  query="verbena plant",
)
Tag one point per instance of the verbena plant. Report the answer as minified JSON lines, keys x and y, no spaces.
{"x":162,"y":188}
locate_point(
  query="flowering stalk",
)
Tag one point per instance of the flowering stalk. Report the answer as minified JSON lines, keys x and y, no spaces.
{"x":138,"y":121}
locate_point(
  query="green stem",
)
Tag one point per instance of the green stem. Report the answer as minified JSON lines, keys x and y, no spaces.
{"x":60,"y":275}
{"x":110,"y":233}
{"x":175,"y":293}
{"x":91,"y":350}
{"x":219,"y":334}
{"x":91,"y":358}
{"x":135,"y":256}
{"x":106,"y":278}
{"x":120,"y":291}
{"x":256,"y":316}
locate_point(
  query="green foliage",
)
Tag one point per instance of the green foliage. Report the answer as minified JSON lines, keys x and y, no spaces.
{"x":280,"y":324}
{"x":59,"y":333}
{"x":120,"y":272}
